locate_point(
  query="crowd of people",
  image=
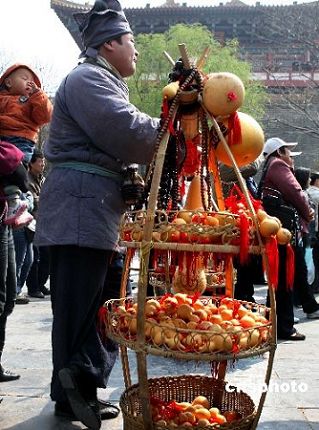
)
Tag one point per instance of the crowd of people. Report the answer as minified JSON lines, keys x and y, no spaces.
{"x":24,"y":108}
{"x":66,"y":227}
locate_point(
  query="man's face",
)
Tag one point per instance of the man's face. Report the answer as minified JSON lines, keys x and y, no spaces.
{"x":37,"y":167}
{"x":20,"y":82}
{"x":285,"y":155}
{"x":124,"y":55}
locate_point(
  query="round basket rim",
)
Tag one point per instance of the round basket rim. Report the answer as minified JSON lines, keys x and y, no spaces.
{"x":168,"y":380}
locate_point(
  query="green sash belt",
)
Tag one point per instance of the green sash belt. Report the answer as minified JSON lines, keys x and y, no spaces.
{"x":90,"y":168}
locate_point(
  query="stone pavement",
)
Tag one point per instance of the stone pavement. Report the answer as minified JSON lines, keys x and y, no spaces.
{"x":292,"y":402}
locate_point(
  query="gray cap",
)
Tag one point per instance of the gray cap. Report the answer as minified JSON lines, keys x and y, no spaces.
{"x":105,"y":21}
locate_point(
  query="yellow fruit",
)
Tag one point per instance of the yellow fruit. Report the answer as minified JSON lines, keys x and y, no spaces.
{"x":185,"y":215}
{"x":247,"y":321}
{"x":202,"y":413}
{"x":178,"y":221}
{"x":268,"y":227}
{"x":283,"y":236}
{"x":261,"y":215}
{"x":212,"y":221}
{"x":201,"y":400}
{"x":213,"y":412}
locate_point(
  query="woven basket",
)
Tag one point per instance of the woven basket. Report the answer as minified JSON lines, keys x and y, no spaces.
{"x":185,"y":342}
{"x":165,"y":231}
{"x":184,"y":389}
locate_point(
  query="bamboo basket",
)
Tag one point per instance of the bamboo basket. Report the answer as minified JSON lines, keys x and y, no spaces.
{"x":166,"y":232}
{"x":184,"y":389}
{"x":164,"y":339}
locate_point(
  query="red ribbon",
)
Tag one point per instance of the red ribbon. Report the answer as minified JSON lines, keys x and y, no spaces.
{"x":290,"y":267}
{"x":273,"y":259}
{"x":244,"y":238}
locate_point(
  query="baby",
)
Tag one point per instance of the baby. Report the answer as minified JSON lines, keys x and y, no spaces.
{"x":24,"y":108}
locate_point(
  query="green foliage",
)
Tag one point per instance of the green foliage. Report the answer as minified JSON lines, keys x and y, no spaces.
{"x":153,"y":67}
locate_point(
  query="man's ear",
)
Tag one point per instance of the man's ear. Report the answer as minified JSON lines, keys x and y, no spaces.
{"x":108,"y":46}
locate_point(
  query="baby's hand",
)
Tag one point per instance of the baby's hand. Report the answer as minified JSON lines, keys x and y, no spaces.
{"x":32,"y":88}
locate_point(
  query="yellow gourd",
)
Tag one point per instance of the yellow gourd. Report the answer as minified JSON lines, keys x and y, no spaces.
{"x":223,"y":93}
{"x":170,"y":90}
{"x":194,"y":198}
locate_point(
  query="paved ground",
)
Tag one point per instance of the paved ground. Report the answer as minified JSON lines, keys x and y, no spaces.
{"x":292,"y":403}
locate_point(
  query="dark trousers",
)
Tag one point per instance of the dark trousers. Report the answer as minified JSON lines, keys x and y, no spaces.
{"x":244,"y":287}
{"x":24,"y":256}
{"x":79,"y":286}
{"x":302,"y":289}
{"x":40,"y":269}
{"x":7,"y":280}
{"x":315,"y":256}
{"x":284,"y":299}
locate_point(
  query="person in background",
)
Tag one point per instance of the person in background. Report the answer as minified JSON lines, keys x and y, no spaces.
{"x":278,"y":178}
{"x":313,"y":193}
{"x":39,"y":271}
{"x":23,"y":252}
{"x":24,"y":108}
{"x":95,"y":133}
{"x":9,"y":162}
{"x":302,"y":289}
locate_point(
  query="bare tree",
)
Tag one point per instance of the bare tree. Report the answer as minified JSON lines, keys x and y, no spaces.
{"x":292,"y":70}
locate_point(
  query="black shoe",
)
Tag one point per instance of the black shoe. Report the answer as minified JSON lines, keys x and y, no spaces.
{"x":107,"y":410}
{"x":45,"y":291}
{"x":37,"y":295}
{"x":6,"y":375}
{"x":22,"y":299}
{"x":295,"y":335}
{"x":85,"y":411}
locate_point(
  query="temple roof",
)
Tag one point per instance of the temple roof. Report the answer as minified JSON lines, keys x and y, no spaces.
{"x":172,"y":3}
{"x":169,"y":3}
{"x":230,"y":19}
{"x":235,"y":3}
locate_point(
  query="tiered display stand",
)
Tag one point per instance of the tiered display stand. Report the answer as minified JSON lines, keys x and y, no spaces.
{"x":133,"y":324}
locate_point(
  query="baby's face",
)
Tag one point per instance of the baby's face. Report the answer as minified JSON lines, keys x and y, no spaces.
{"x":20,"y":82}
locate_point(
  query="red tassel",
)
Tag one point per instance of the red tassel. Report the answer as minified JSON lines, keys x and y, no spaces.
{"x":244,"y":238}
{"x":234,"y":130}
{"x":273,"y":259}
{"x":165,"y":112}
{"x":290,"y":267}
{"x":191,"y":163}
{"x":231,"y":203}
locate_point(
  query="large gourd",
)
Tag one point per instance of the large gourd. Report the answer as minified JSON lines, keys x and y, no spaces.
{"x":250,"y":145}
{"x":223,"y":93}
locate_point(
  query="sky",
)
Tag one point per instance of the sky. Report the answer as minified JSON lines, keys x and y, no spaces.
{"x":31,"y":32}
